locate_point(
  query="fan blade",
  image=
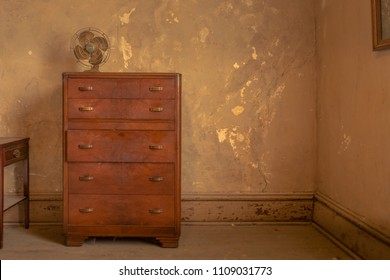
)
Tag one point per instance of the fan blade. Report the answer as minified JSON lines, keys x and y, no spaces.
{"x":96,"y":57}
{"x":101,"y":42}
{"x":80,"y":53}
{"x":85,"y":37}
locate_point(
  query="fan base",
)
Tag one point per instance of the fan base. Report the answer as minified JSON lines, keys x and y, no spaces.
{"x":94,"y":68}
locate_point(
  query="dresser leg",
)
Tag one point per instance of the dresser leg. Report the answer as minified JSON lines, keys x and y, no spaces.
{"x":75,"y":241}
{"x":168,"y":242}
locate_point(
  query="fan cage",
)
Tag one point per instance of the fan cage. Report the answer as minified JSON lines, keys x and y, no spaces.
{"x":75,"y":43}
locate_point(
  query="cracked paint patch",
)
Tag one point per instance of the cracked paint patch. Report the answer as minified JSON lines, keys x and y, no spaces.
{"x":265,"y":170}
{"x":125,"y":18}
{"x":267,"y":110}
{"x":235,"y":65}
{"x":242,"y":90}
{"x":279,"y":90}
{"x":222,"y":134}
{"x":239,"y":141}
{"x":126,"y":50}
{"x":235,"y":138}
{"x":254,"y":53}
{"x":238,"y":110}
{"x":173,"y":18}
{"x":203,"y":34}
{"x":346,"y":141}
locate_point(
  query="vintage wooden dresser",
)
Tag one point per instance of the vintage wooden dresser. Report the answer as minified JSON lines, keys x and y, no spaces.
{"x":122,"y":156}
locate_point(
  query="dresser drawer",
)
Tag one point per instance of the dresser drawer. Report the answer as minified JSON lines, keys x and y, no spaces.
{"x":122,"y":88}
{"x":146,"y":210}
{"x":125,"y":109}
{"x":121,"y":178}
{"x":159,"y":88}
{"x":121,"y":146}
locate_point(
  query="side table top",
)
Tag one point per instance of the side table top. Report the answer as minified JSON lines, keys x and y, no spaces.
{"x":7,"y":140}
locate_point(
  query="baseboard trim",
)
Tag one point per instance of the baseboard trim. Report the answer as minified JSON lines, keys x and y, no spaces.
{"x":247,"y":197}
{"x":336,"y":242}
{"x":247,"y":208}
{"x":198,"y":208}
{"x":45,"y":208}
{"x":245,"y":223}
{"x":366,"y":241}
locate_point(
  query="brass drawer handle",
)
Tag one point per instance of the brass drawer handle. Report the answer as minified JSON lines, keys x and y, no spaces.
{"x":156,"y":109}
{"x":16,"y":153}
{"x":156,"y":179}
{"x":86,"y":88}
{"x":86,"y":178}
{"x":85,"y":109}
{"x":86,"y":210}
{"x":156,"y":88}
{"x":156,"y":147}
{"x":85,"y":147}
{"x":156,"y":211}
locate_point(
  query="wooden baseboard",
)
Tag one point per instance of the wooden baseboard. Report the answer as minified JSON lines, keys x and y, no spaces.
{"x":44,"y":209}
{"x":340,"y":224}
{"x":248,"y":208}
{"x":199,"y":208}
{"x":345,"y":227}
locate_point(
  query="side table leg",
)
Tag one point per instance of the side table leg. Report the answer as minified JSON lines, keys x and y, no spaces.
{"x":26,"y":185}
{"x":27,"y":213}
{"x":1,"y":200}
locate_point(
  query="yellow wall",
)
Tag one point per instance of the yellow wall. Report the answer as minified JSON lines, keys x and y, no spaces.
{"x":353,"y":112}
{"x":248,"y":83}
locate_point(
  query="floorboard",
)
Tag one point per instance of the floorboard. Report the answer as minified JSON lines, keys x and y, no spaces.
{"x":200,"y":242}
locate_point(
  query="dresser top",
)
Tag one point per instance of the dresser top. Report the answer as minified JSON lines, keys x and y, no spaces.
{"x":121,"y":74}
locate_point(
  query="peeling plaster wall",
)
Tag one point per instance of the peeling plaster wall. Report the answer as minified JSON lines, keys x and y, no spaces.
{"x":353,"y":113}
{"x":248,"y":83}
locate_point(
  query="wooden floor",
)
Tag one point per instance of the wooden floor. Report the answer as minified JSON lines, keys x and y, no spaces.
{"x":200,"y":242}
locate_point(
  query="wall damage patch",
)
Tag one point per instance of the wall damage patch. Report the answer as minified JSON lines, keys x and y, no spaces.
{"x":125,"y":18}
{"x":238,"y":110}
{"x":126,"y":50}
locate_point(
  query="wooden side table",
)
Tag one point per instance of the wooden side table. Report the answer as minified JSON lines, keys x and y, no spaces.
{"x":12,"y":150}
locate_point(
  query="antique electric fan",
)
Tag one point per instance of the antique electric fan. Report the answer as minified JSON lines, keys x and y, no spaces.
{"x":91,"y":48}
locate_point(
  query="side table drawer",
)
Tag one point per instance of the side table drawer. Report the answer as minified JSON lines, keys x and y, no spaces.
{"x":15,"y":153}
{"x":121,"y":210}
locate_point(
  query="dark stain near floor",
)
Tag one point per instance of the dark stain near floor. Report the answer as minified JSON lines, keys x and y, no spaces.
{"x":244,"y":211}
